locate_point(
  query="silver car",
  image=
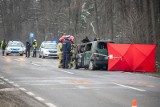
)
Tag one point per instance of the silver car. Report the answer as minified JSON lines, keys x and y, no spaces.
{"x":15,"y":47}
{"x":48,"y":49}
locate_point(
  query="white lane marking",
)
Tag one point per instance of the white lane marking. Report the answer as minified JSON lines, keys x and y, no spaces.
{"x":6,"y":79}
{"x":30,"y":93}
{"x":23,"y":89}
{"x":67,"y":72}
{"x":41,"y":84}
{"x":129,"y":87}
{"x":16,"y":59}
{"x":16,"y":85}
{"x":50,"y":105}
{"x":1,"y":77}
{"x":8,"y":89}
{"x":81,"y":87}
{"x":34,"y":64}
{"x":11,"y":82}
{"x":39,"y":98}
{"x":1,"y":82}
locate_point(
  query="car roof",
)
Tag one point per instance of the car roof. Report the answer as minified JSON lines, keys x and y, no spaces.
{"x":54,"y":42}
{"x":109,"y":41}
{"x":15,"y":42}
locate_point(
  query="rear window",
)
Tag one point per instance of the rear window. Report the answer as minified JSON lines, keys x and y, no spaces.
{"x":102,"y":45}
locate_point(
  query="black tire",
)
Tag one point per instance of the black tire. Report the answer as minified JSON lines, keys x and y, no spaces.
{"x":21,"y":54}
{"x":7,"y":54}
{"x":86,"y":68}
{"x":40,"y":56}
{"x":75,"y":66}
{"x":91,"y":66}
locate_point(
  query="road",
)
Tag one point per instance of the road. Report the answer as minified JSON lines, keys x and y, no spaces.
{"x":55,"y":87}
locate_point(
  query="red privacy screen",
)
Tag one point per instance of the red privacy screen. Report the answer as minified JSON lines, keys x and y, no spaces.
{"x":131,"y":57}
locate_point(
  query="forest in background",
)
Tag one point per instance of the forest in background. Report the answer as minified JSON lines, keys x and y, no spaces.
{"x":123,"y":21}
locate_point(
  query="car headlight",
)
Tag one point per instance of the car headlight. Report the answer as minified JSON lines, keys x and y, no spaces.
{"x":45,"y":51}
{"x":24,"y":49}
{"x":7,"y":48}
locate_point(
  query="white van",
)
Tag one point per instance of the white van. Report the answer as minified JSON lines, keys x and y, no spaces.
{"x":48,"y":49}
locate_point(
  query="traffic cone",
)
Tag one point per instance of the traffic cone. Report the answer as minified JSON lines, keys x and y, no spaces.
{"x":134,"y":103}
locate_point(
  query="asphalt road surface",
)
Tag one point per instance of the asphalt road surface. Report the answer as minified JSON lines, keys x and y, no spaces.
{"x":55,"y":87}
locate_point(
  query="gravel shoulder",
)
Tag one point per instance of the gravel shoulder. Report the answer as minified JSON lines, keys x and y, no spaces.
{"x":13,"y":97}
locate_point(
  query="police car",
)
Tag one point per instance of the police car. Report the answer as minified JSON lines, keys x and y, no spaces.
{"x":15,"y":47}
{"x":48,"y":49}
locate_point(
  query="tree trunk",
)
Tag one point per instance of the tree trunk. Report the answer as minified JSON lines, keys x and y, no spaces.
{"x":151,"y":2}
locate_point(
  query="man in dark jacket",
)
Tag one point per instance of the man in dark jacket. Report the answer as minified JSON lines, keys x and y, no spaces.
{"x":28,"y":46}
{"x":66,"y":49}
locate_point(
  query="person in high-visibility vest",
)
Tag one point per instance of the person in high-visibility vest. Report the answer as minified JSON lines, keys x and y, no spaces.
{"x":3,"y":46}
{"x":34,"y":48}
{"x":72,"y":52}
{"x":60,"y":53}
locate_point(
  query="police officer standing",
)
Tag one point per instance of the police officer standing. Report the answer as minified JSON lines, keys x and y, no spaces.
{"x":66,"y":48}
{"x":34,"y":48}
{"x":28,"y":46}
{"x":3,"y":46}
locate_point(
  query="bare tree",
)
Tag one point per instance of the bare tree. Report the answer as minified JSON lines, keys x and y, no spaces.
{"x":123,"y":21}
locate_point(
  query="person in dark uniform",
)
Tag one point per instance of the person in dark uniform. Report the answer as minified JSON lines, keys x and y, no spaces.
{"x":66,"y":49}
{"x":28,"y":46}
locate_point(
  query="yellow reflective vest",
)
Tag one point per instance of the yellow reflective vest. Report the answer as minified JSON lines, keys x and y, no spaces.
{"x":35,"y":45}
{"x":1,"y":44}
{"x":59,"y":47}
